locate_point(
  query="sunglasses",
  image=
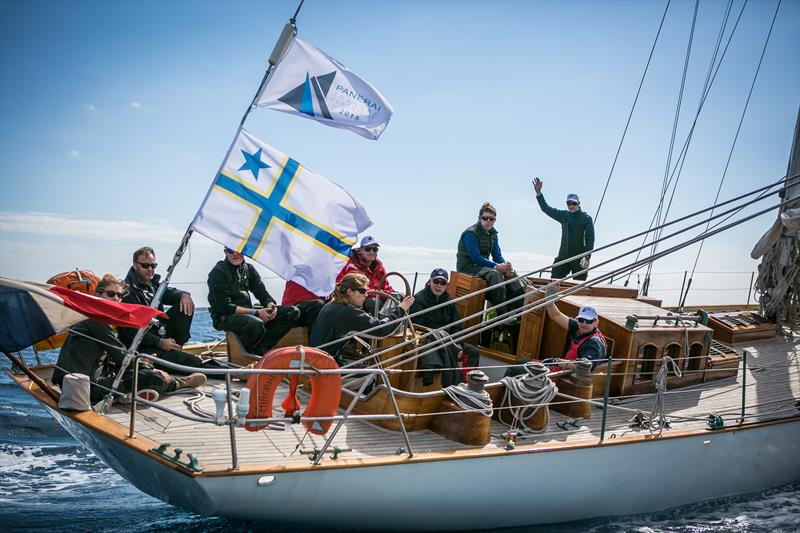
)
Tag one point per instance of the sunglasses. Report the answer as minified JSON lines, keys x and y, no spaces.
{"x":584,"y":320}
{"x":488,"y":219}
{"x":362,"y":290}
{"x":230,"y":251}
{"x":572,"y":203}
{"x":371,"y":249}
{"x":439,"y":281}
{"x":112,"y":294}
{"x":148,"y":265}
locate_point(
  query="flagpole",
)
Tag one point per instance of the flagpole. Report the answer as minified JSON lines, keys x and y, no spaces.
{"x":289,"y":31}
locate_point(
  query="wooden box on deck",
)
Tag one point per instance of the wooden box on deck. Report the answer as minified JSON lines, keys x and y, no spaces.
{"x":633,"y":375}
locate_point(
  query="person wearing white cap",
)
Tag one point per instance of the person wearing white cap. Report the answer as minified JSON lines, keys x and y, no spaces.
{"x":577,"y":233}
{"x":584,"y":340}
{"x":364,"y":260}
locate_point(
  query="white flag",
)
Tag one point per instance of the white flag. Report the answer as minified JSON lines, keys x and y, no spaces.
{"x":267,"y":206}
{"x":309,"y":83}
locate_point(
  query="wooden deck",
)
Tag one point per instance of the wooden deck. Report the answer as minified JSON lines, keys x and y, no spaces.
{"x":772,"y":389}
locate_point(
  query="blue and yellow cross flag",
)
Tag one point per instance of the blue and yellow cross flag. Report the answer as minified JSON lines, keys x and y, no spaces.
{"x":271,"y":208}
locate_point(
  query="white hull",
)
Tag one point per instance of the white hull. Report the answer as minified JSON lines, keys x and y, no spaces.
{"x":513,"y":489}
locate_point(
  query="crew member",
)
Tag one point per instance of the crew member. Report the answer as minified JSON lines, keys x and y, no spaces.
{"x":230,"y":283}
{"x":577,"y":233}
{"x":164,"y":338}
{"x":476,"y":245}
{"x":584,"y":340}
{"x":446,"y":317}
{"x":93,"y":349}
{"x":344,"y":314}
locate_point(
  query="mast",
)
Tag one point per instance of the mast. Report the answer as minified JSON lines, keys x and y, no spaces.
{"x":778,"y":282}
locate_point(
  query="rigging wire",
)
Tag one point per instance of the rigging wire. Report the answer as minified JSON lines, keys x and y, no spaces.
{"x":733,"y":145}
{"x":687,"y":142}
{"x":607,"y":246}
{"x":676,"y":119}
{"x":630,"y":114}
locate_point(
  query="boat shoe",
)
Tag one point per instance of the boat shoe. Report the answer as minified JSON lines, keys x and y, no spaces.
{"x":192,"y":381}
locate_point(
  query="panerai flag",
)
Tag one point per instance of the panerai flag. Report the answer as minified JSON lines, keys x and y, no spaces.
{"x":310,"y":83}
{"x":268,"y":206}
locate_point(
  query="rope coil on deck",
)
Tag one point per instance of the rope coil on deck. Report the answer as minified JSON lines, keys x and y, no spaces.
{"x":533,"y":389}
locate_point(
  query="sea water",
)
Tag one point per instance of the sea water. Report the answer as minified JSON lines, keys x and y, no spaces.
{"x":48,"y":481}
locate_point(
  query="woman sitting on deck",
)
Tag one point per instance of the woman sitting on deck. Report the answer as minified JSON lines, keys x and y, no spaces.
{"x":93,"y":349}
{"x":344,"y":314}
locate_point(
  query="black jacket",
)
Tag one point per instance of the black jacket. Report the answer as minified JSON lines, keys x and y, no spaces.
{"x":441,"y":318}
{"x":230,"y":286}
{"x":143,"y":295}
{"x":83,"y":353}
{"x":337,"y":320}
{"x":577,"y":229}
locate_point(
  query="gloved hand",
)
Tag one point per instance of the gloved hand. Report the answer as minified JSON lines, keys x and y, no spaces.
{"x":584,"y":262}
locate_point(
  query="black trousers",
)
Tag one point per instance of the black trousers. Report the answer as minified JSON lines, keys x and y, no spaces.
{"x":500,"y":295}
{"x":258,"y":336}
{"x":148,"y":379}
{"x":178,"y":326}
{"x":308,"y":312}
{"x":564,"y":270}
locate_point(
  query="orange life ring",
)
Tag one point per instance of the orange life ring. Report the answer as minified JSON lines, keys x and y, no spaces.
{"x":84,"y":281}
{"x":326,"y":389}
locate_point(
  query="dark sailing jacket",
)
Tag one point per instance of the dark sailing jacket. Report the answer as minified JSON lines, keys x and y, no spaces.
{"x":441,"y":318}
{"x":577,"y":229}
{"x":84,"y":351}
{"x":230,"y":286}
{"x":487,"y":246}
{"x":337,"y":320}
{"x":143,"y":294}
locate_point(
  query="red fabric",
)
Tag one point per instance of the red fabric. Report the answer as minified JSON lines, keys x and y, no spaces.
{"x":108,"y":311}
{"x":294,"y":293}
{"x":572,"y":351}
{"x":373,"y":274}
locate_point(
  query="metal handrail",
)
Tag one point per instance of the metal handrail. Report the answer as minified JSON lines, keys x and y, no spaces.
{"x":231,"y":420}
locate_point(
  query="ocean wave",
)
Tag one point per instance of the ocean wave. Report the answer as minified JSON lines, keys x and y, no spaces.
{"x":38,"y":469}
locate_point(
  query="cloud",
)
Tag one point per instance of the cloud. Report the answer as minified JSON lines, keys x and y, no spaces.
{"x":136,"y":104}
{"x":74,"y":154}
{"x":89,"y":107}
{"x":56,"y":225}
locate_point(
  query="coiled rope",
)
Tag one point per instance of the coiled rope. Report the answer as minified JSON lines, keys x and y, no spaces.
{"x":470,"y":400}
{"x":534,"y":390}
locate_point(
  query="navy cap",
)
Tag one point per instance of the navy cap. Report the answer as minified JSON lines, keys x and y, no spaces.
{"x":572,"y":197}
{"x":440,"y":273}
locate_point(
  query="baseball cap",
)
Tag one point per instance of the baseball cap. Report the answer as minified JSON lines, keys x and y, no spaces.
{"x":587,"y":313}
{"x":440,"y":273}
{"x":369,"y":239}
{"x":572,"y":197}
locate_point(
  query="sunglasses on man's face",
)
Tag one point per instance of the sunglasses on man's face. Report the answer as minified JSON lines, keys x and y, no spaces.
{"x":584,"y":320}
{"x":572,"y":204}
{"x":371,"y":249}
{"x":488,"y":219}
{"x":439,"y":281}
{"x":113,"y":294}
{"x":362,"y":290}
{"x":148,"y":265}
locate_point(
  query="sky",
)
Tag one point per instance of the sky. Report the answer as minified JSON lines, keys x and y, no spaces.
{"x":114,"y":117}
